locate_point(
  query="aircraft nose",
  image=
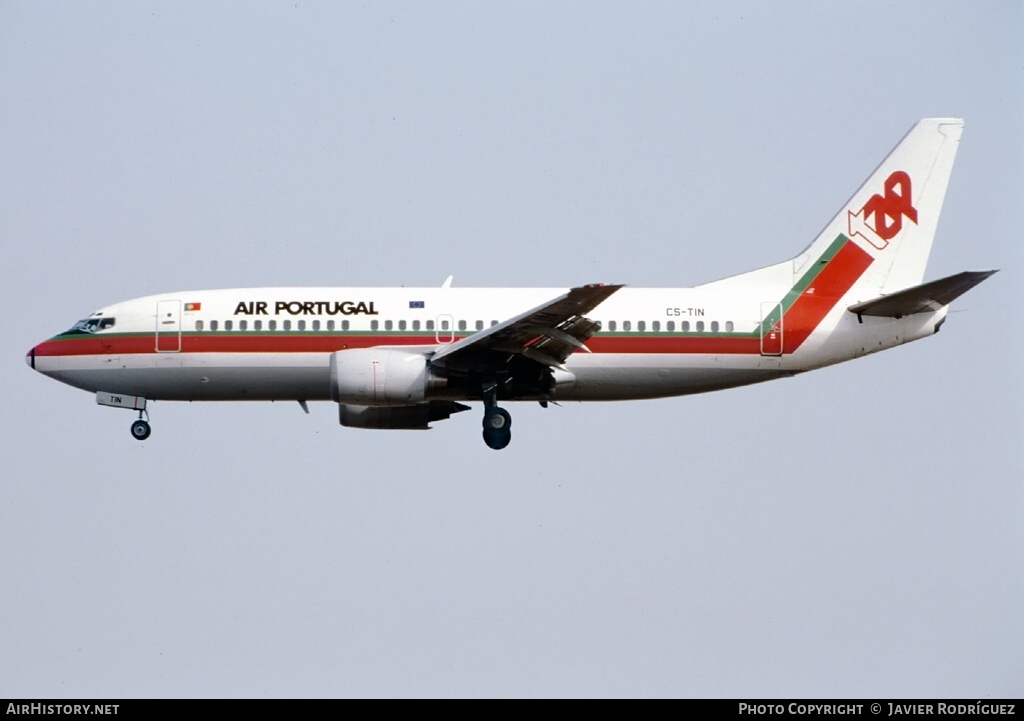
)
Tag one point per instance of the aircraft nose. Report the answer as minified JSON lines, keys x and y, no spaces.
{"x":30,"y":358}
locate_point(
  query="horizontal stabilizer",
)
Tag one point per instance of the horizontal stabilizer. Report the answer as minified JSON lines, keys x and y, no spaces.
{"x":925,"y":298}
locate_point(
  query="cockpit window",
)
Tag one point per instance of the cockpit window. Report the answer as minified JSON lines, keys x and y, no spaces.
{"x":91,"y":325}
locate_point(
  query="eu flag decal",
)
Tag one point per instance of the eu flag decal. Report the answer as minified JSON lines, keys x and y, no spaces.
{"x":416,"y":304}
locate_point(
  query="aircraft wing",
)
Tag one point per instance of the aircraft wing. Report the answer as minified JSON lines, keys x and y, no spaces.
{"x":921,"y":298}
{"x":547,"y":334}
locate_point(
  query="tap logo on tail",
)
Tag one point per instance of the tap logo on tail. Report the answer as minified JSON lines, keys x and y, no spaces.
{"x":881,"y":218}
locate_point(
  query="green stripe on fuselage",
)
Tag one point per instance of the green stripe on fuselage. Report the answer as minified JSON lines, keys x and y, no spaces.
{"x":801,"y":285}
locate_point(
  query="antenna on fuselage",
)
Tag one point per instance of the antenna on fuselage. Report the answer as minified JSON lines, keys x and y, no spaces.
{"x":448,"y":282}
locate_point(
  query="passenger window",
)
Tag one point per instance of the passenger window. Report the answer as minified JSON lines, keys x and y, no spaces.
{"x":415,"y":325}
{"x":670,"y":325}
{"x":330,"y":325}
{"x":462,"y":325}
{"x":228,"y":325}
{"x":316,"y":325}
{"x":655,"y":325}
{"x":611,"y":326}
{"x":199,"y":325}
{"x":494,"y":323}
{"x":700,"y":326}
{"x":271,"y":325}
{"x":641,"y":325}
{"x":479,"y":325}
{"x":627,"y":325}
{"x":388,"y":325}
{"x":685,"y":326}
{"x":374,"y":325}
{"x":444,"y":325}
{"x":430,"y":325}
{"x":728,"y":326}
{"x":302,"y":325}
{"x":401,"y":325}
{"x":257,"y":325}
{"x":287,"y":325}
{"x":213,"y":325}
{"x":243,"y":325}
{"x":714,"y":326}
{"x":345,"y":325}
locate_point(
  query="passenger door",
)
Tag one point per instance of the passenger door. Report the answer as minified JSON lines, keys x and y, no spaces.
{"x":168,"y":326}
{"x":771,"y":329}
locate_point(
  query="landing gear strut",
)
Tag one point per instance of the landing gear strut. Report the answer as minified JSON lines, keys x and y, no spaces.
{"x":141,"y":428}
{"x":497,"y":421}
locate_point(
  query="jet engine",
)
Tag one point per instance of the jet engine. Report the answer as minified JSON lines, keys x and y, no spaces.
{"x":382,"y":377}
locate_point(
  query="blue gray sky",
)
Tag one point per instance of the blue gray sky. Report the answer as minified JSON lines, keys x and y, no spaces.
{"x":852,"y":532}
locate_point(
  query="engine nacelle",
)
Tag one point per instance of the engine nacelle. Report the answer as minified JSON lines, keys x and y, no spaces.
{"x":416,"y":417}
{"x":562,"y":381}
{"x":382,"y":377}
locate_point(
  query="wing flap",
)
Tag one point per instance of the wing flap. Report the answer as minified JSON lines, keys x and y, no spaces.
{"x":549,"y":333}
{"x":925,"y":298}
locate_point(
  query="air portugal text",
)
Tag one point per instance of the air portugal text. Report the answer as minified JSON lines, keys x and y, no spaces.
{"x":306,"y":307}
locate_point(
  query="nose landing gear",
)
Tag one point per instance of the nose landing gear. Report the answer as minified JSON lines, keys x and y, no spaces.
{"x":141,"y":428}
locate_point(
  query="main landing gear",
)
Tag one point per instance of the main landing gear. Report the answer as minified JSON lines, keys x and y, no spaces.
{"x":497,"y":427}
{"x":497,"y":421}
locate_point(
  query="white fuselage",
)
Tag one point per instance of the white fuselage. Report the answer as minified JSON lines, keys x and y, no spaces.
{"x":276,"y":343}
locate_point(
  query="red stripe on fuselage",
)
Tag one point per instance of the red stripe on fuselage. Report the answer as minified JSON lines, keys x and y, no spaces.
{"x":240,"y":342}
{"x":144,"y":344}
{"x":821,"y":296}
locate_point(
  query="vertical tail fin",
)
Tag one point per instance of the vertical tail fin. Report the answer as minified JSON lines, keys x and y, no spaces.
{"x":893,"y":216}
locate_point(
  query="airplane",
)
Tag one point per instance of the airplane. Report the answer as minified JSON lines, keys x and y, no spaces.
{"x":403,"y":358}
